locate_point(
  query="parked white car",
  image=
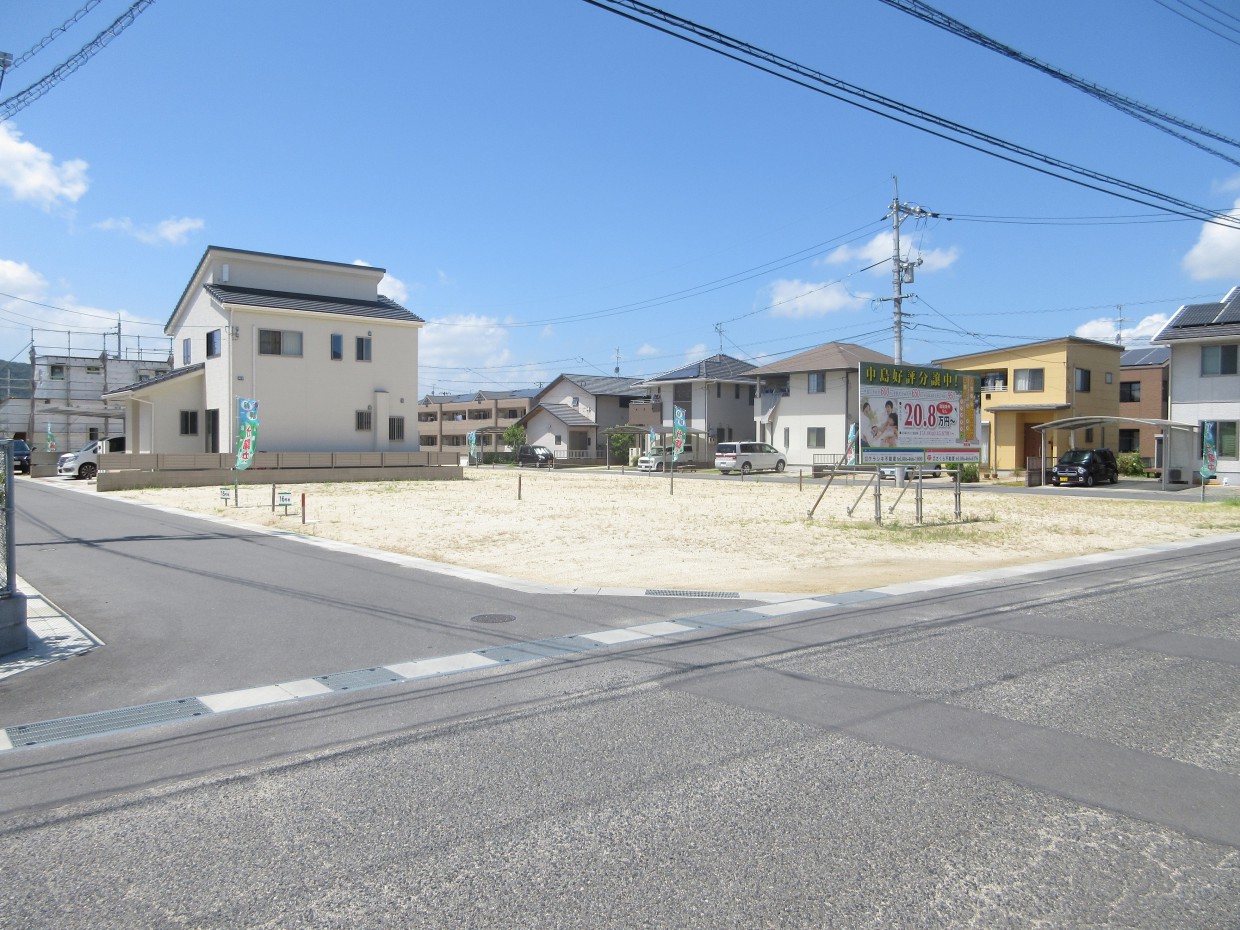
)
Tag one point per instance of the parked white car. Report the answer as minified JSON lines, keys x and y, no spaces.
{"x":84,"y":463}
{"x":748,"y":456}
{"x":654,"y":459}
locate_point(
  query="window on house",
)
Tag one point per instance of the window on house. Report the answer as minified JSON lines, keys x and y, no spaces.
{"x":1089,"y":436}
{"x":1130,"y":440}
{"x":752,"y":393}
{"x":1030,"y":379}
{"x":574,"y":401}
{"x":213,"y":344}
{"x":787,"y":438}
{"x":361,"y":421}
{"x":729,"y":434}
{"x":718,"y":389}
{"x":94,"y":370}
{"x":189,"y":422}
{"x":719,"y":434}
{"x":558,"y":441}
{"x":363,"y":348}
{"x":1218,"y":360}
{"x":817,"y":382}
{"x":427,"y":417}
{"x":1129,"y":392}
{"x":816,"y":437}
{"x":1082,"y":380}
{"x":57,"y":372}
{"x":1110,"y":377}
{"x":186,"y":345}
{"x":1224,"y":439}
{"x":428,"y":440}
{"x":738,"y":392}
{"x":337,"y":347}
{"x":279,"y":342}
{"x":396,"y":429}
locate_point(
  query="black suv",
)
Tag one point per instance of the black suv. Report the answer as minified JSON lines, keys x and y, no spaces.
{"x":21,"y":456}
{"x":1085,"y":466}
{"x":538,"y":456}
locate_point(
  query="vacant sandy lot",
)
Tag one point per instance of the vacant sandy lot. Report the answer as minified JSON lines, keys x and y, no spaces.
{"x":611,"y":530}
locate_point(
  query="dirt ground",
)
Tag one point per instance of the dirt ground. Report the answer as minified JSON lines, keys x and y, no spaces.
{"x":583,"y":528}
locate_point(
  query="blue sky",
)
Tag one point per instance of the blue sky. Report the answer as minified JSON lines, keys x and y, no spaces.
{"x":555,"y":188}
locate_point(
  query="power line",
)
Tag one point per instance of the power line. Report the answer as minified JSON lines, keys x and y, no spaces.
{"x":20,"y":101}
{"x":1214,"y":32}
{"x":1149,"y":115}
{"x":53,"y":35}
{"x":949,"y":130}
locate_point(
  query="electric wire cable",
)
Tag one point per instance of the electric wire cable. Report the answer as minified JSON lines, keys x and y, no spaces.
{"x":1149,"y":115}
{"x":777,"y":66}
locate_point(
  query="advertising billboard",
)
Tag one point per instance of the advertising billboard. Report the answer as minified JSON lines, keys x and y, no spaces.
{"x":908,"y":415}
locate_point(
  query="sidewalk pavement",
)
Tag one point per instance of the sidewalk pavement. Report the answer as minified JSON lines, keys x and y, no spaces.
{"x":53,"y":635}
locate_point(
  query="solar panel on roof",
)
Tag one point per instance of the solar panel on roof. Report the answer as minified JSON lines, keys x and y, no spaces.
{"x":1231,"y":313}
{"x":1198,"y":315}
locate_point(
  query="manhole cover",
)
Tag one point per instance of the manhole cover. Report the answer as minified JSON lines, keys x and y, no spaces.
{"x":493,"y":618}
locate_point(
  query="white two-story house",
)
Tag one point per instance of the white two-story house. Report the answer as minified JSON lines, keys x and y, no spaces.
{"x":807,"y":402}
{"x":1204,"y":375}
{"x":717,"y":395}
{"x":332,"y":363}
{"x":569,"y":415}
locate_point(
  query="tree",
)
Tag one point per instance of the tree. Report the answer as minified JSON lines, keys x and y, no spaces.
{"x":514,"y":437}
{"x":621,"y":443}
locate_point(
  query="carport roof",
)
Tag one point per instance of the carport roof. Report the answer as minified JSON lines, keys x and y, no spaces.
{"x":1087,"y":422}
{"x":1020,"y":408}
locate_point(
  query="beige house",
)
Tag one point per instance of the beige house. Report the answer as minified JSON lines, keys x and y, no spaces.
{"x":332,"y":363}
{"x":1028,"y":385}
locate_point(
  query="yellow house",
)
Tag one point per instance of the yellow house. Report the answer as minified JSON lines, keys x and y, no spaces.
{"x":1027,"y":385}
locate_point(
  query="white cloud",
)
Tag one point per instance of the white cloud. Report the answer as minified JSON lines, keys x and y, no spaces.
{"x":879,"y":249}
{"x":1105,"y":330}
{"x":30,"y":174}
{"x":389,"y":285}
{"x":799,"y":299}
{"x":460,"y":342}
{"x":172,"y":231}
{"x":1217,"y":252}
{"x":647,"y":350}
{"x":20,"y":280}
{"x":695,"y":353}
{"x":393,"y":287}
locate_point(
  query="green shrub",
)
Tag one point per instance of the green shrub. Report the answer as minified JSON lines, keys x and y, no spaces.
{"x":1130,"y":463}
{"x":968,"y":473}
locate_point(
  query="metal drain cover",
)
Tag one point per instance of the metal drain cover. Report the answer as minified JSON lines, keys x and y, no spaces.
{"x":493,"y":618}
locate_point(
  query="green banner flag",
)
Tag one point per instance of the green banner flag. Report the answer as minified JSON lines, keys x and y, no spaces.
{"x":247,"y":431}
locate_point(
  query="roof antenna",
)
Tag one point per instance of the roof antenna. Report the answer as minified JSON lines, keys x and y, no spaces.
{"x":719,"y":330}
{"x":617,"y":369}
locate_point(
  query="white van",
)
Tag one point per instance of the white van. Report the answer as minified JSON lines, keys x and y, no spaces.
{"x":84,"y":463}
{"x":748,"y":456}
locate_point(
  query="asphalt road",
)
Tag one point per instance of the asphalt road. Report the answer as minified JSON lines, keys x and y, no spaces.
{"x":1059,"y":749}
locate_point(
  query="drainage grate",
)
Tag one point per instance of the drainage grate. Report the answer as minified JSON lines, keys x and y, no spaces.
{"x":362,"y":678}
{"x":675,"y":592}
{"x":108,"y":721}
{"x":493,"y":618}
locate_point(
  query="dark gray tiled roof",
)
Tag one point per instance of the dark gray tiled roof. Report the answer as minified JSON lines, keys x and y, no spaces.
{"x":161,"y":379}
{"x":568,"y":414}
{"x":1150,"y":355}
{"x":1204,"y":321}
{"x":599,"y":385}
{"x":716,"y":368}
{"x":382,"y":309}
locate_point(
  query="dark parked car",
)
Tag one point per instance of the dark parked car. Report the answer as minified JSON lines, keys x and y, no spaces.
{"x":538,"y":456}
{"x":1085,"y":466}
{"x":21,"y":456}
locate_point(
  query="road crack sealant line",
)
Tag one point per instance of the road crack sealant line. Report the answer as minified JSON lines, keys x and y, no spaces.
{"x":47,"y":732}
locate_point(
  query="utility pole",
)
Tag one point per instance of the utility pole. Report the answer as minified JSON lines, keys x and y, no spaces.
{"x":901,"y":271}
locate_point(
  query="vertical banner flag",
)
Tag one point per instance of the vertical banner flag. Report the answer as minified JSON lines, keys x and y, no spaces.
{"x":850,"y":451}
{"x":1209,"y":451}
{"x":472,"y":439}
{"x":247,"y":431}
{"x":51,"y":440}
{"x":678,"y":432}
{"x":654,"y":439}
